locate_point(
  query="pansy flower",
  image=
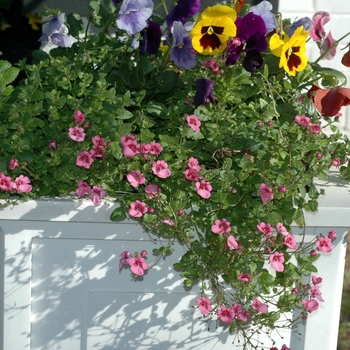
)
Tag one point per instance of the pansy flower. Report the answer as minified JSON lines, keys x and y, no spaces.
{"x":263,"y":9}
{"x":183,"y":10}
{"x":214,"y":28}
{"x":291,"y":50}
{"x":151,"y":37}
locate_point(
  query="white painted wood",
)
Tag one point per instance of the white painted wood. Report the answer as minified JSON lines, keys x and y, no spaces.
{"x":63,"y":288}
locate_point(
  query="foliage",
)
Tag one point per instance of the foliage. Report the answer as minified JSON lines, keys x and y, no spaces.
{"x":233,"y":210}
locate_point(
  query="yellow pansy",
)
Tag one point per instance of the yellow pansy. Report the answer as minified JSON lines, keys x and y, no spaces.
{"x":291,"y":50}
{"x":213,"y":29}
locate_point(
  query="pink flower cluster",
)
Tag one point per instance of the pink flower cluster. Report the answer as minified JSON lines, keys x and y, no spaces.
{"x":137,"y":263}
{"x":315,"y":293}
{"x":95,"y":193}
{"x":131,"y":148}
{"x":21,"y":184}
{"x":306,"y":123}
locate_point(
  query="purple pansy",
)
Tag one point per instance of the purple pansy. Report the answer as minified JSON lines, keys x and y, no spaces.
{"x":182,"y":10}
{"x":250,"y":38}
{"x":133,"y":15}
{"x":181,"y":52}
{"x":151,"y":37}
{"x":263,"y":10}
{"x":204,"y":92}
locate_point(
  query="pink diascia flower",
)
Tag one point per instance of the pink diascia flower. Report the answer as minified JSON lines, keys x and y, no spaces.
{"x":137,"y":209}
{"x":96,"y":194}
{"x":238,"y":311}
{"x":76,"y":134}
{"x":285,"y":347}
{"x":303,"y":120}
{"x":135,"y":178}
{"x":155,"y":148}
{"x":160,"y":168}
{"x":281,"y":229}
{"x":290,"y":242}
{"x":260,"y":306}
{"x":332,"y":234}
{"x":266,"y":229}
{"x":168,"y":222}
{"x":324,"y":244}
{"x":83,"y":188}
{"x":79,"y":117}
{"x":265,"y":193}
{"x":226,"y":314}
{"x":191,"y":175}
{"x":316,"y":280}
{"x":204,"y":189}
{"x":336,"y":162}
{"x":315,"y":128}
{"x":315,"y":292}
{"x":277,"y":260}
{"x":13,"y":164}
{"x":53,"y":144}
{"x":124,"y":258}
{"x":232,"y":243}
{"x":130,"y":149}
{"x":319,"y":19}
{"x":221,"y":226}
{"x":138,"y":265}
{"x":22,"y":184}
{"x":193,"y":164}
{"x":98,"y":141}
{"x":204,"y":305}
{"x":212,"y":64}
{"x":84,"y":159}
{"x":245,"y":277}
{"x":6,"y":182}
{"x":127,"y":138}
{"x":97,"y":152}
{"x":152,"y":191}
{"x":310,"y":305}
{"x":193,"y":122}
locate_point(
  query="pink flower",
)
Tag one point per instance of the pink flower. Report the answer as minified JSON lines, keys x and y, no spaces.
{"x":124,"y":258}
{"x":313,"y":252}
{"x":53,"y":144}
{"x":221,"y":226}
{"x":260,"y":306}
{"x":226,"y":314}
{"x":22,"y":184}
{"x":160,"y":168}
{"x":83,"y":188}
{"x":232,"y":243}
{"x":335,"y":162}
{"x":138,"y":265}
{"x":130,"y":149}
{"x":137,"y":209}
{"x":97,"y":152}
{"x":204,"y":189}
{"x":319,"y":19}
{"x":285,"y":347}
{"x":290,"y":242}
{"x":316,"y":280}
{"x":327,"y":42}
{"x":281,"y":229}
{"x":324,"y":244}
{"x":315,"y":128}
{"x":316,"y":293}
{"x":84,"y":159}
{"x":193,"y":164}
{"x":266,"y":193}
{"x":135,"y":178}
{"x":127,"y":138}
{"x":155,"y":148}
{"x":332,"y":234}
{"x":303,"y":120}
{"x":277,"y":260}
{"x":98,"y":141}
{"x":191,"y":175}
{"x":282,"y":189}
{"x":96,"y":194}
{"x":245,"y":277}
{"x":145,"y":149}
{"x":168,"y":222}
{"x":77,"y":134}
{"x":79,"y":117}
{"x":212,"y":64}
{"x":310,"y":305}
{"x":238,"y":310}
{"x":143,"y":253}
{"x":152,"y":191}
{"x":6,"y":182}
{"x":193,"y":122}
{"x":204,"y":305}
{"x":266,"y":229}
{"x":13,"y":164}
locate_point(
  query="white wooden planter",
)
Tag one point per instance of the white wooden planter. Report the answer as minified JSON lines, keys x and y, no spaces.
{"x":63,"y":288}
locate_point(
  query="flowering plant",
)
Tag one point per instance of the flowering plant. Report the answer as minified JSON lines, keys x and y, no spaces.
{"x":208,"y":128}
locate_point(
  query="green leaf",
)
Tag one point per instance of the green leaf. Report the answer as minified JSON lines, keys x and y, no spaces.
{"x":75,"y":25}
{"x":118,"y":215}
